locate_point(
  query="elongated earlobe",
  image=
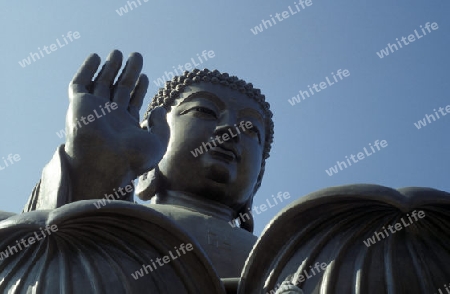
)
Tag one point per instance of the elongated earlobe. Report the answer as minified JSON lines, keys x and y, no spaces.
{"x":148,"y":184}
{"x":249,"y":224}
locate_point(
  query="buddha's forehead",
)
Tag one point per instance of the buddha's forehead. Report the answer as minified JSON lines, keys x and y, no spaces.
{"x":220,"y":94}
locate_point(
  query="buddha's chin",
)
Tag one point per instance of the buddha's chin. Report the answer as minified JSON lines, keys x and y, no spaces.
{"x":219,"y":173}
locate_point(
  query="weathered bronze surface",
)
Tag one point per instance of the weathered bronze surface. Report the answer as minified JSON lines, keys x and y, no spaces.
{"x":89,"y":237}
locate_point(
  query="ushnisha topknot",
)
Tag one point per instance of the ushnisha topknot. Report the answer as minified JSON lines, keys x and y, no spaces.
{"x":166,"y":97}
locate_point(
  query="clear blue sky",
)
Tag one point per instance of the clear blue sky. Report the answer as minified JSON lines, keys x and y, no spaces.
{"x":381,"y":99}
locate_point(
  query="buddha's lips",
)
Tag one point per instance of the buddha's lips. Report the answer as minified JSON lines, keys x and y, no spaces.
{"x":228,"y":155}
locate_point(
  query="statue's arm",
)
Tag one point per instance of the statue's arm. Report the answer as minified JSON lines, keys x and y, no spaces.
{"x":52,"y":186}
{"x":54,"y":189}
{"x":106,"y":147}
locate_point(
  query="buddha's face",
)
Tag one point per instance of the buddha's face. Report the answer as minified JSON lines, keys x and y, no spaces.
{"x":208,"y":113}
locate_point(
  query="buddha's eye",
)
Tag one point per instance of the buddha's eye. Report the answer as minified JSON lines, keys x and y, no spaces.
{"x":202,"y":111}
{"x":255,"y":132}
{"x":205,"y":110}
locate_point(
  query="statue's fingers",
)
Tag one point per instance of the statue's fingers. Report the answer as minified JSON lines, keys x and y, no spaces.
{"x":127,"y":80}
{"x":137,"y":96}
{"x":105,"y":78}
{"x":83,"y":78}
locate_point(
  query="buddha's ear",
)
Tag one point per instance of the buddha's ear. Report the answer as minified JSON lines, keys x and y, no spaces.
{"x":148,"y":184}
{"x":249,"y":224}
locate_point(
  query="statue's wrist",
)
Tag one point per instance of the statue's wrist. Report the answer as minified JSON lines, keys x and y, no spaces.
{"x":93,"y":178}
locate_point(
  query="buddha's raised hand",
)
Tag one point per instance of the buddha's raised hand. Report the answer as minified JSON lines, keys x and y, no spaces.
{"x":103,"y":135}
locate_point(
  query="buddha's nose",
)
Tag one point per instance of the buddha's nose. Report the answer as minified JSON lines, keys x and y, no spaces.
{"x":227,"y":125}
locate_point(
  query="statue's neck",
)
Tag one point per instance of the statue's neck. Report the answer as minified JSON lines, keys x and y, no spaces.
{"x":192,"y":202}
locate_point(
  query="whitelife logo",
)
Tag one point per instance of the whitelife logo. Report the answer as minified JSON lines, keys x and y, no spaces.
{"x":38,"y":236}
{"x":300,"y":278}
{"x":91,"y":118}
{"x":124,"y":9}
{"x":11,"y":158}
{"x":281,"y":16}
{"x":341,"y":164}
{"x":52,"y":47}
{"x":322,"y":85}
{"x":411,"y":38}
{"x":162,"y":261}
{"x":243,"y":217}
{"x":111,"y":197}
{"x":225,"y":137}
{"x":423,"y":123}
{"x":395,"y":228}
{"x":159,"y":82}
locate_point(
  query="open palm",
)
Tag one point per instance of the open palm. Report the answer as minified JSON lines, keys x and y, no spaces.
{"x":102,"y":124}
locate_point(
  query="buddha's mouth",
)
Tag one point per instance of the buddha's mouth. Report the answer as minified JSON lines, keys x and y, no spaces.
{"x":223,"y":154}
